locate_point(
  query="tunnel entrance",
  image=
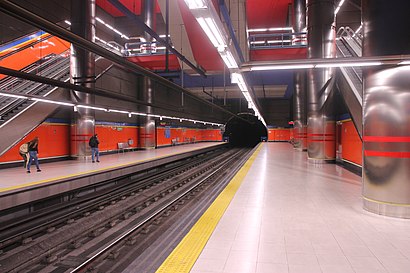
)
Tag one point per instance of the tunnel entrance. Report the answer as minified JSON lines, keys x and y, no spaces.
{"x":240,"y":133}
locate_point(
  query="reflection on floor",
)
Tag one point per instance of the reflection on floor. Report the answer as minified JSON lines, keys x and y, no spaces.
{"x":293,"y":216}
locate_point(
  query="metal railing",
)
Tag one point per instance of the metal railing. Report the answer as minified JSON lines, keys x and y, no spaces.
{"x":277,"y":40}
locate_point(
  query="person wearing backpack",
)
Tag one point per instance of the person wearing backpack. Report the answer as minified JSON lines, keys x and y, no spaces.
{"x":33,"y":152}
{"x":93,"y":143}
{"x":23,"y":151}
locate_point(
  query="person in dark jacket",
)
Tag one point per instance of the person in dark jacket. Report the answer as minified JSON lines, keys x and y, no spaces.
{"x":95,"y":154}
{"x":33,"y":152}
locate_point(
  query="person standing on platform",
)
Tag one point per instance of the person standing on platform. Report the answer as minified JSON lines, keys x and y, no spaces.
{"x":95,"y":154}
{"x":33,"y":154}
{"x":23,"y":151}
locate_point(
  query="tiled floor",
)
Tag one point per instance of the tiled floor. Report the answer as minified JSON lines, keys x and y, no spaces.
{"x":293,"y":216}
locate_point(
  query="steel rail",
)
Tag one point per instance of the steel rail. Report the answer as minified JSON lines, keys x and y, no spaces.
{"x":149,"y":217}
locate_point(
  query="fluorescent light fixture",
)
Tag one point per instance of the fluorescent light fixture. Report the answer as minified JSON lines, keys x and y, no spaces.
{"x":118,"y":111}
{"x":52,"y":101}
{"x":404,"y":62}
{"x":92,"y":107}
{"x":337,"y":10}
{"x":154,"y":116}
{"x":14,"y":96}
{"x":257,"y":42}
{"x":280,"y":67}
{"x":238,"y":79}
{"x":270,"y":29}
{"x":278,"y":41}
{"x":215,"y":30}
{"x":138,"y":114}
{"x":112,"y":28}
{"x":228,"y":59}
{"x":108,"y":26}
{"x":196,"y":4}
{"x":348,"y":64}
{"x":257,"y":30}
{"x":211,"y":30}
{"x":357,"y":31}
{"x":208,"y":32}
{"x":339,"y":6}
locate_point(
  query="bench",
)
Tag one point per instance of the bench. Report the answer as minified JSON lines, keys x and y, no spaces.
{"x":122,"y":146}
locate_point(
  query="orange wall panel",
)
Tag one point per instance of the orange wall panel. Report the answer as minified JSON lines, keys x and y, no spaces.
{"x":186,"y":135}
{"x":54,"y":141}
{"x":279,"y":134}
{"x":351,"y":143}
{"x":110,"y":135}
{"x":55,"y":138}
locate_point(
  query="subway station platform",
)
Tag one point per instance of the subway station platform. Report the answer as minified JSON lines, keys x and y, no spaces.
{"x":282,"y":214}
{"x":18,"y":187}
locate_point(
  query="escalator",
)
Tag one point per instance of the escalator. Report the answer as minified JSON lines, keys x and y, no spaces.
{"x":18,"y":117}
{"x":349,"y":80}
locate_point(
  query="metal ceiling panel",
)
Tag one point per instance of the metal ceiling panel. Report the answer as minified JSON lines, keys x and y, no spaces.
{"x":204,"y":52}
{"x":132,"y":5}
{"x":267,"y":13}
{"x":233,"y":92}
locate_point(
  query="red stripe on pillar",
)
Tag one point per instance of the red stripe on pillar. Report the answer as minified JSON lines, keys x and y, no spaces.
{"x":387,"y":154}
{"x":386,"y":139}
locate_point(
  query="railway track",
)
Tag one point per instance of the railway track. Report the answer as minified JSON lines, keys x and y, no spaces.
{"x":116,"y":224}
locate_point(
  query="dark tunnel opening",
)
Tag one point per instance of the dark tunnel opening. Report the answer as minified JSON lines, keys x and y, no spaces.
{"x":240,"y":133}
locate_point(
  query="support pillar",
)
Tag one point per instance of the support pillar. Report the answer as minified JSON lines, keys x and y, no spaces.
{"x":386,"y":111}
{"x":82,"y":71}
{"x":299,"y":97}
{"x":321,"y":44}
{"x":147,"y":128}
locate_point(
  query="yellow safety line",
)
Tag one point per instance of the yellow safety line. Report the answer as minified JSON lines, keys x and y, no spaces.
{"x":183,"y":257}
{"x":87,"y":172}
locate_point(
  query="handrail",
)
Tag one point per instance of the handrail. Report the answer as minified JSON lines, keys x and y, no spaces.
{"x":56,"y":70}
{"x":344,"y":32}
{"x":279,"y":40}
{"x":28,"y":69}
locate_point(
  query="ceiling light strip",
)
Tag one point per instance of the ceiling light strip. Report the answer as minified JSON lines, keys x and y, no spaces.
{"x":238,"y":79}
{"x":195,"y":4}
{"x":129,"y":113}
{"x":339,"y":6}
